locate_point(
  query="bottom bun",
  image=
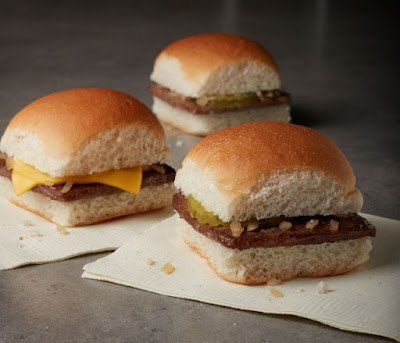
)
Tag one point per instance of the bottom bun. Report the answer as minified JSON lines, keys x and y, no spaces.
{"x":259,"y":265}
{"x":91,"y":210}
{"x":203,"y":124}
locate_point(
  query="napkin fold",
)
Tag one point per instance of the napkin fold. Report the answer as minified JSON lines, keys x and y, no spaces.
{"x":366,"y":300}
{"x":26,"y":238}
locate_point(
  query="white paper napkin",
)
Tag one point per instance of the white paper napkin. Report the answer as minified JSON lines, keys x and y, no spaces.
{"x":367,"y":300}
{"x":26,"y":238}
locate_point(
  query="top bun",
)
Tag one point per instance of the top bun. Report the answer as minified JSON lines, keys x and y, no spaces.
{"x":83,"y":131}
{"x":267,"y":169}
{"x":215,"y":63}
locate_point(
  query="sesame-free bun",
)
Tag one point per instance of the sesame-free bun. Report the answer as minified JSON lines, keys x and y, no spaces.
{"x":90,"y":210}
{"x":215,"y":63}
{"x":202,"y":125}
{"x":268,"y":169}
{"x":85,"y":130}
{"x":259,"y":265}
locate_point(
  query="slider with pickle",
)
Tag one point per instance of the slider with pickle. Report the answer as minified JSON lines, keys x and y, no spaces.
{"x":269,"y":200}
{"x":207,"y":82}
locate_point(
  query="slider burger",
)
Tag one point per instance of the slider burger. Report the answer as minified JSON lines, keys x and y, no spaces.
{"x":84,"y":156}
{"x":271,"y":200}
{"x":208,"y":82}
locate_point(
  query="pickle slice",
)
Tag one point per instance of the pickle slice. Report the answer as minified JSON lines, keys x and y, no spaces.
{"x":197,"y":211}
{"x":228,"y":100}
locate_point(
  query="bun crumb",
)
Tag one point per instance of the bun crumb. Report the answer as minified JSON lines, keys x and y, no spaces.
{"x":168,"y":268}
{"x":323,"y":288}
{"x":150,"y":261}
{"x":35,"y":234}
{"x":276,"y":292}
{"x":62,"y":230}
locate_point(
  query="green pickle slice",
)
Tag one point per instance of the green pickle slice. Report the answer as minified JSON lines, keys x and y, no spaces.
{"x":229,"y":100}
{"x":197,"y":211}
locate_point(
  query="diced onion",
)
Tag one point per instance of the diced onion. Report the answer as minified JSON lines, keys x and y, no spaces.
{"x":158,"y":169}
{"x":66,"y":188}
{"x":333,"y":225}
{"x":9,"y":163}
{"x":311,"y":224}
{"x":252,"y":226}
{"x":236,"y":229}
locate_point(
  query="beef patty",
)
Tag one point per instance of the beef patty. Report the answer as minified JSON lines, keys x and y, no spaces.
{"x":150,"y":177}
{"x":189,"y":104}
{"x":268,"y":234}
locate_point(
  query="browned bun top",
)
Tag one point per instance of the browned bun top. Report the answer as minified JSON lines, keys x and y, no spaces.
{"x":65,"y":119}
{"x":240,"y":155}
{"x":205,"y":52}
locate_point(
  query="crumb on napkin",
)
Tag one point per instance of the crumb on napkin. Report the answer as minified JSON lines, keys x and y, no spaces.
{"x":150,"y":261}
{"x":276,"y":292}
{"x":323,"y":288}
{"x":172,"y":131}
{"x":36,"y":234}
{"x":62,"y":230}
{"x":168,"y":268}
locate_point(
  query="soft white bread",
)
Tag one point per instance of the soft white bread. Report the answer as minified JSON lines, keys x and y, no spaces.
{"x":91,"y":210}
{"x":268,"y":169}
{"x":83,"y":131}
{"x":202,"y":125}
{"x":215,"y":63}
{"x":258,"y":265}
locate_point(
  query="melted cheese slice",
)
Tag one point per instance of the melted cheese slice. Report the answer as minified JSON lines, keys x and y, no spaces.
{"x":24,"y":177}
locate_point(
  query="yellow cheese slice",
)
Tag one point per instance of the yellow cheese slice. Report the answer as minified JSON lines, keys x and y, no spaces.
{"x":24,"y":177}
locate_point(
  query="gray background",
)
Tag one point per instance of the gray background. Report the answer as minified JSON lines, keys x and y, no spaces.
{"x":338,"y":59}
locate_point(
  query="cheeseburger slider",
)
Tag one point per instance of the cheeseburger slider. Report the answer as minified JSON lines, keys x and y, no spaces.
{"x":271,"y":200}
{"x":84,"y":156}
{"x":211,"y":81}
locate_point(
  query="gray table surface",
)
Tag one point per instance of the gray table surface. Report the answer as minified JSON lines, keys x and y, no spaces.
{"x":338,"y":59}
